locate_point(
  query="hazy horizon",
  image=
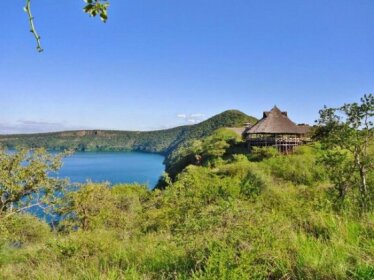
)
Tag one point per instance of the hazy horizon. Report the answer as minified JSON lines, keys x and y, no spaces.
{"x":48,"y":127}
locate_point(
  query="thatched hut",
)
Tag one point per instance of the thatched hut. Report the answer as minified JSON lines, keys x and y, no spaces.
{"x":275,"y":129}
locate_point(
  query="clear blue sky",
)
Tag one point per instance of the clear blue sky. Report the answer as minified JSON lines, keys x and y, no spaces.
{"x":157,"y":59}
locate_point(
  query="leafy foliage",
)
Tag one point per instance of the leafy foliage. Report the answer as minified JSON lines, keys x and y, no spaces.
{"x":347,"y":134}
{"x":97,"y":7}
{"x":261,"y":153}
{"x":236,"y":220}
{"x":25,"y":180}
{"x":208,"y":150}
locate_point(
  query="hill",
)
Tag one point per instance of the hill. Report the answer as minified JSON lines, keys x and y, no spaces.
{"x":161,"y":141}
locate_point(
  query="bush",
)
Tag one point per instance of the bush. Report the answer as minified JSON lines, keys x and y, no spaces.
{"x":301,"y":168}
{"x":24,"y":229}
{"x":261,"y":153}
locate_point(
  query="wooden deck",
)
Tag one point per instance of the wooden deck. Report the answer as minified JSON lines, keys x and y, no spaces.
{"x":283,"y":144}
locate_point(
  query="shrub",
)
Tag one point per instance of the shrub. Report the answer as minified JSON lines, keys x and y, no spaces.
{"x":261,"y":153}
{"x":23,"y":229}
{"x":299,"y":168}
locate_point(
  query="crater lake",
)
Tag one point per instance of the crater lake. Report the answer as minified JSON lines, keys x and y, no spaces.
{"x":113,"y":167}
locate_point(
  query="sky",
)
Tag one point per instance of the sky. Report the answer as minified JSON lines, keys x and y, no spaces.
{"x":162,"y":63}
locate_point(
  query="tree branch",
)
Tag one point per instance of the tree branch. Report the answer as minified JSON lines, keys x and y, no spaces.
{"x":39,"y":204}
{"x":27,"y":9}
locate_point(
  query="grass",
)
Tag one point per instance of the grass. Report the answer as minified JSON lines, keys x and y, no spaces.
{"x":237,"y":220}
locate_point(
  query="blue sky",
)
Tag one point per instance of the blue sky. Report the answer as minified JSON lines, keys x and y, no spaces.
{"x":162,"y":63}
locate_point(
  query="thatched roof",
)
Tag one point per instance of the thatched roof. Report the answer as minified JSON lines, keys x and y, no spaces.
{"x":275,"y":122}
{"x":304,"y":128}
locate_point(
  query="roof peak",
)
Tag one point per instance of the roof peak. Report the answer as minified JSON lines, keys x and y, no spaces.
{"x":274,"y":111}
{"x":275,"y":122}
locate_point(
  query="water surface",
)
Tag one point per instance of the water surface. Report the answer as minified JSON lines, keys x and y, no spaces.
{"x":113,"y":167}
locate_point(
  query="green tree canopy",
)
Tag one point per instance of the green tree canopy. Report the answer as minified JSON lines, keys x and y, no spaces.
{"x":347,"y":134}
{"x":25,"y":180}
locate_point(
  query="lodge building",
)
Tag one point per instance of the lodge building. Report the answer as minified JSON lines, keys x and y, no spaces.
{"x":275,"y":129}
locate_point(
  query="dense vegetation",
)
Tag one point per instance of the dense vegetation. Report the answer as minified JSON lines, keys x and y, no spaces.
{"x":236,"y":219}
{"x":226,"y":215}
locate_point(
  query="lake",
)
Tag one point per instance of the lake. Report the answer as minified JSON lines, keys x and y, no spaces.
{"x":113,"y":167}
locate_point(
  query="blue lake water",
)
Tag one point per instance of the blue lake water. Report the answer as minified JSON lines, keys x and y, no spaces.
{"x":113,"y":167}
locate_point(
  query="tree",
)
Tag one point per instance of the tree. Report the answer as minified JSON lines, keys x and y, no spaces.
{"x":93,"y":8}
{"x":214,"y":146}
{"x":99,"y":205}
{"x":347,"y":134}
{"x":87,"y":207}
{"x":25,"y":180}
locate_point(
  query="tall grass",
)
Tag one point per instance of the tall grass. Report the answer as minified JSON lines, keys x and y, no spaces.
{"x":269,"y":219}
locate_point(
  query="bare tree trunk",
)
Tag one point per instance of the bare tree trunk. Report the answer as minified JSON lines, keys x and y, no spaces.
{"x":363,"y":184}
{"x":342,"y":189}
{"x":85,"y":220}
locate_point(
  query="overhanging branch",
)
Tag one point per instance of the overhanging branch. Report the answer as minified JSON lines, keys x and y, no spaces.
{"x":27,"y":9}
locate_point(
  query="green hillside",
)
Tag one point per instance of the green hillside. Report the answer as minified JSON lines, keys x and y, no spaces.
{"x":161,"y":141}
{"x":220,"y":213}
